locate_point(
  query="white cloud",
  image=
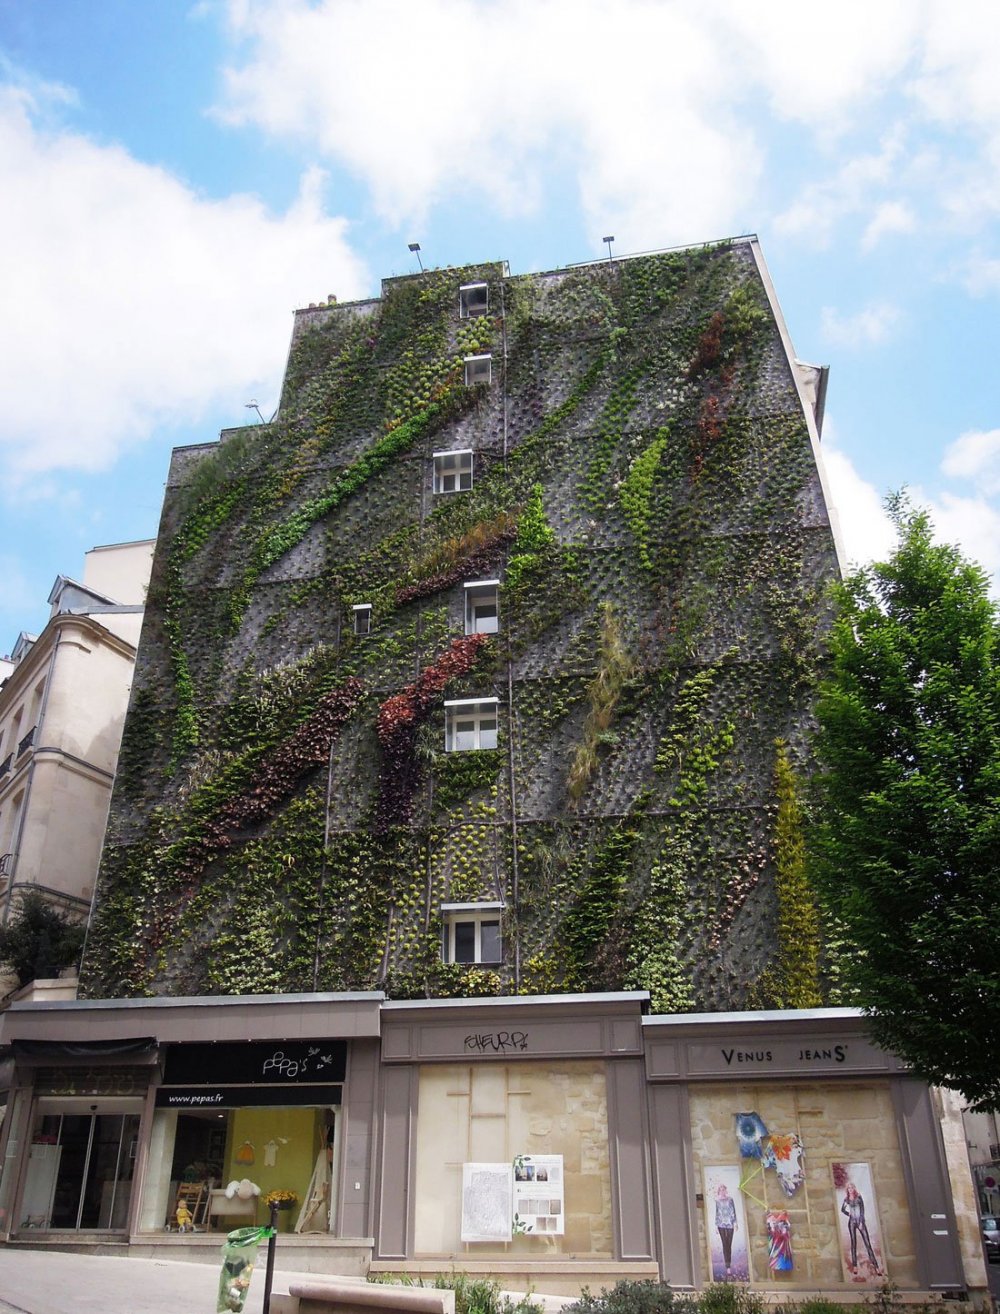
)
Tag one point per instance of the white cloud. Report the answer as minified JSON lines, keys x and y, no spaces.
{"x":449,"y":100}
{"x":972,"y":524}
{"x":975,"y":455}
{"x":889,"y":217}
{"x":867,"y":327}
{"x":867,"y":533}
{"x":132,"y":301}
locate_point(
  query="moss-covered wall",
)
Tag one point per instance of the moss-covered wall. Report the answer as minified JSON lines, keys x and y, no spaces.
{"x":285,"y":817}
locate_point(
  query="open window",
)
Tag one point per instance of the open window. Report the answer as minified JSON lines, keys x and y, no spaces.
{"x":472,"y":933}
{"x":482,"y":610}
{"x":362,"y":618}
{"x":470,"y":724}
{"x":478,"y":369}
{"x":453,"y":472}
{"x":473,"y":300}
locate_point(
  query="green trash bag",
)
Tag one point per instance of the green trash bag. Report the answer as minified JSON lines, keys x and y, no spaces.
{"x":239,"y":1255}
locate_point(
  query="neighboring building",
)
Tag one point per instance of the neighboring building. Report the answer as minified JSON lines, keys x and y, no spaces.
{"x":465,"y":675}
{"x":62,"y":707}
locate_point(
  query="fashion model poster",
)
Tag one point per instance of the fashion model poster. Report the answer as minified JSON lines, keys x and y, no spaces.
{"x":726,"y":1225}
{"x":861,"y":1249}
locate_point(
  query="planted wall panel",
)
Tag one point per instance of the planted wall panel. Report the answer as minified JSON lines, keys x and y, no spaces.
{"x":286,"y":816}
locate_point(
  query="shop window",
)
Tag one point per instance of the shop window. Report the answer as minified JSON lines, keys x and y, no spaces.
{"x":478,"y":369}
{"x":194,"y":1154}
{"x":452,"y":472}
{"x":362,"y":618}
{"x":473,"y":300}
{"x":472,"y":933}
{"x":482,"y":612}
{"x":470,"y":724}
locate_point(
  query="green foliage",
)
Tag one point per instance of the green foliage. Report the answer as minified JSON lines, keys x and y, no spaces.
{"x":636,"y":492}
{"x":472,"y":1295}
{"x":908,"y":805}
{"x":795,"y":973}
{"x":730,"y":1298}
{"x":633,"y":1298}
{"x":534,"y":537}
{"x":39,"y":941}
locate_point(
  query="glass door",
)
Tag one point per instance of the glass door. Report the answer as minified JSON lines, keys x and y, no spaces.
{"x":80,"y":1169}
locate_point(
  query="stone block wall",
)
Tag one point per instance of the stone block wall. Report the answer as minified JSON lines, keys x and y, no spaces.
{"x":847,"y":1122}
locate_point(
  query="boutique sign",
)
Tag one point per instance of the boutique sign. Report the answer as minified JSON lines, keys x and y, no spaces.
{"x":282,"y":1063}
{"x":800,"y":1056}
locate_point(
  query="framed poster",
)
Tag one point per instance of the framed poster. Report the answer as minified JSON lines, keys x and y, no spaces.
{"x":487,"y":1193}
{"x":726,"y":1225}
{"x":539,"y":1198}
{"x":861,"y":1251}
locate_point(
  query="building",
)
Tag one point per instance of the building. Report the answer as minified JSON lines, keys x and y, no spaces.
{"x":552,"y":1142}
{"x":441,"y":861}
{"x":62,"y":707}
{"x":467,"y":675}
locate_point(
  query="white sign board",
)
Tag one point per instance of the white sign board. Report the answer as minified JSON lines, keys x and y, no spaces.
{"x":487,"y":1192}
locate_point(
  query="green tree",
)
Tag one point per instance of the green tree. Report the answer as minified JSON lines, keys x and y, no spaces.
{"x":907,"y":843}
{"x":39,"y":941}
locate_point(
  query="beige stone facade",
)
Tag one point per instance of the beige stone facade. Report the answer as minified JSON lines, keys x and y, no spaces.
{"x":491,"y":1113}
{"x":847,"y":1122}
{"x":62,"y":708}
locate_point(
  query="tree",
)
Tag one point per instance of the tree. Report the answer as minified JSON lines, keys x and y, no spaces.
{"x":39,"y":941}
{"x":907,"y":843}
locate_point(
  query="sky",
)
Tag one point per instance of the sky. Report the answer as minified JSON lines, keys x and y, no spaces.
{"x":179,"y":175}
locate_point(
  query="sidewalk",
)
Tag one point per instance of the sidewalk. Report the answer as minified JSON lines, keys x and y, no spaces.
{"x":50,"y":1282}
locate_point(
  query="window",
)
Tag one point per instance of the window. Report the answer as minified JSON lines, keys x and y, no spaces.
{"x":482,"y":613}
{"x":478,"y":369}
{"x":452,"y":472}
{"x":472,"y":933}
{"x":470,"y":724}
{"x":362,"y":615}
{"x":473,"y":300}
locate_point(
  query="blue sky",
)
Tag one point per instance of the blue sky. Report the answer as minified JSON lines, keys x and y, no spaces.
{"x":179,"y":176}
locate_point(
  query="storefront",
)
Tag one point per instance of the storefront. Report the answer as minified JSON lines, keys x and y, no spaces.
{"x":174,"y":1136}
{"x":553,"y":1143}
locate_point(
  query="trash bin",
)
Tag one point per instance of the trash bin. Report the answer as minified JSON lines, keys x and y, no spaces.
{"x":239,"y":1254}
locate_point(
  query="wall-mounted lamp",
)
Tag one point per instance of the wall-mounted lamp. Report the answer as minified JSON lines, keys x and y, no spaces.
{"x":415,"y":248}
{"x":609,"y":240}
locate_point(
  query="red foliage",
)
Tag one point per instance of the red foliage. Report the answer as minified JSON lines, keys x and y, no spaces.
{"x":709,"y":345}
{"x":275,"y":778}
{"x":399,"y":718}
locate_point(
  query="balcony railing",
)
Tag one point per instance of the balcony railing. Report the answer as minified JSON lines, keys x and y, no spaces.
{"x":27,"y":741}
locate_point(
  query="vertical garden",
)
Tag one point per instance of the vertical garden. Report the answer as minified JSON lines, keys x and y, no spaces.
{"x":287,"y":815}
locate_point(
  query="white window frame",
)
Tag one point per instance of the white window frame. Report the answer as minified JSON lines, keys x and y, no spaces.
{"x":479,"y":914}
{"x":449,"y":471}
{"x":472,"y":306}
{"x":469,"y":718}
{"x":482,"y":590}
{"x":361,"y":619}
{"x":478,"y":370}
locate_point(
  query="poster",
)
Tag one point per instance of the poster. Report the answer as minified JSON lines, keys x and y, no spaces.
{"x":861,"y":1250}
{"x":726,"y":1225}
{"x":779,"y":1241}
{"x":487,"y":1193}
{"x":539,"y":1199}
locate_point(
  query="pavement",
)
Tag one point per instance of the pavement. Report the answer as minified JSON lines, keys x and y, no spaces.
{"x":53,"y":1282}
